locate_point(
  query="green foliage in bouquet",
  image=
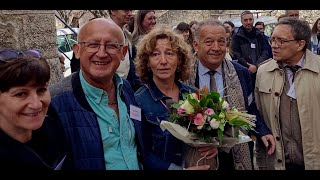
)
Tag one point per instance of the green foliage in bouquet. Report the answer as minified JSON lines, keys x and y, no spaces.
{"x":206,"y":114}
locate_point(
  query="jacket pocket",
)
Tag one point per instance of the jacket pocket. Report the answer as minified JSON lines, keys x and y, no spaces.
{"x":264,"y":88}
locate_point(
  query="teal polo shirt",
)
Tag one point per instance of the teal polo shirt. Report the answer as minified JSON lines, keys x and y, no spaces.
{"x":118,"y":137}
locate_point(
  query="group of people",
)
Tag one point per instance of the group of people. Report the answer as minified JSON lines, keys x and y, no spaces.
{"x":95,"y":120}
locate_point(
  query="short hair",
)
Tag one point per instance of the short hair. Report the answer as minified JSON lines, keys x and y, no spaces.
{"x":300,"y":29}
{"x":260,"y":23}
{"x":212,"y":22}
{"x":147,"y":45}
{"x":22,"y":70}
{"x":245,"y":13}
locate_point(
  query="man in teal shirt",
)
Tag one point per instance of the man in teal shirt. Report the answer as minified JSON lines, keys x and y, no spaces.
{"x":94,"y":102}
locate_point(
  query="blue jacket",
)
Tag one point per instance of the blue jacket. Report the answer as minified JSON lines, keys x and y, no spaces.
{"x":245,"y":81}
{"x":80,"y":123}
{"x":161,"y":148}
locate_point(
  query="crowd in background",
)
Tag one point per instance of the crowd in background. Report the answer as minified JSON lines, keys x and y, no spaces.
{"x":106,"y":115}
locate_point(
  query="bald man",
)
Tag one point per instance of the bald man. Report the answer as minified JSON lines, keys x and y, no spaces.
{"x":93,"y":103}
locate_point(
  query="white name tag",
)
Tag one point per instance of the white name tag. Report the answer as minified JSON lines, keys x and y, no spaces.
{"x":135,"y":113}
{"x":253,"y":46}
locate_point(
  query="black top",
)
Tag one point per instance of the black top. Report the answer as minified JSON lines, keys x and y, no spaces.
{"x":44,"y":151}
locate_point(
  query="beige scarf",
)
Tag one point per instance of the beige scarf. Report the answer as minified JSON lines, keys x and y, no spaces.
{"x":234,"y":96}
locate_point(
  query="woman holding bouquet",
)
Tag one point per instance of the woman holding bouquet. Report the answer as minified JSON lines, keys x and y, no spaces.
{"x":163,"y":61}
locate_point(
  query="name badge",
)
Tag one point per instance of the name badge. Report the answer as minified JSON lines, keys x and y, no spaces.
{"x":253,"y":46}
{"x":135,"y":113}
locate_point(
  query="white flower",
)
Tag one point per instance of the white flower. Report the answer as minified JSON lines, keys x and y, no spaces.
{"x":194,"y":96}
{"x":214,"y":123}
{"x":187,"y":107}
{"x":225,"y":105}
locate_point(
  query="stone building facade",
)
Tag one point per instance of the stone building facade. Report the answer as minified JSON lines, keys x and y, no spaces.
{"x":26,"y":29}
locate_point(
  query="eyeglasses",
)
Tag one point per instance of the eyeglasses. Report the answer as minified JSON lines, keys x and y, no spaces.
{"x":111,"y":48}
{"x":11,"y":54}
{"x":280,"y":42}
{"x":169,"y":55}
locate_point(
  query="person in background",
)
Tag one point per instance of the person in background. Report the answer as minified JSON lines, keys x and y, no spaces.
{"x":249,"y":46}
{"x":184,"y":29}
{"x":288,"y":96}
{"x":228,"y":50}
{"x":293,"y":13}
{"x":163,"y":61}
{"x":28,"y":141}
{"x":145,"y":21}
{"x":193,"y":26}
{"x":74,"y":63}
{"x":233,"y":82}
{"x":126,"y":68}
{"x":315,"y":37}
{"x":93,"y":104}
{"x":281,"y":17}
{"x":130,"y":25}
{"x":261,"y":27}
{"x":229,"y":25}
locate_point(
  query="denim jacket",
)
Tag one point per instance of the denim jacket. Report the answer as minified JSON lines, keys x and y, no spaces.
{"x":162,"y":150}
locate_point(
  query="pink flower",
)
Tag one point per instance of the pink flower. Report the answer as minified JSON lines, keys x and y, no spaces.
{"x":180,"y":110}
{"x":199,"y":120}
{"x":209,"y":111}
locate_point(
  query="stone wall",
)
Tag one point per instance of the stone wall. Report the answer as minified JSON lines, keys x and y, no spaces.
{"x":173,"y":17}
{"x":26,"y":29}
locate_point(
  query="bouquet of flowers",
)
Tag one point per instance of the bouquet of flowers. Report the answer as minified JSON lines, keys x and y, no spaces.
{"x":201,"y":118}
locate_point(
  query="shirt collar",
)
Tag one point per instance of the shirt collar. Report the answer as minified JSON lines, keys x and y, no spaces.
{"x":96,"y":93}
{"x":203,"y":70}
{"x":300,"y":63}
{"x":158,"y":95}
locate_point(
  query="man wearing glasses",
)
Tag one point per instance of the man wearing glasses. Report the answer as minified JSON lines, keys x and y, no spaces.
{"x":93,"y":104}
{"x":288,"y":96}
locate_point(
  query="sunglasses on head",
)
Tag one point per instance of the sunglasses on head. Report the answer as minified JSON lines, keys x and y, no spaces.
{"x":10,"y":54}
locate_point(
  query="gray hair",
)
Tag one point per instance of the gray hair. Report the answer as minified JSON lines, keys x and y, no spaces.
{"x":300,"y":29}
{"x":210,"y":22}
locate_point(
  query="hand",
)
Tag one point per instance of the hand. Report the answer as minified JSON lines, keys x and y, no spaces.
{"x":269,"y":143}
{"x":252,"y":68}
{"x":203,"y":167}
{"x":211,"y":152}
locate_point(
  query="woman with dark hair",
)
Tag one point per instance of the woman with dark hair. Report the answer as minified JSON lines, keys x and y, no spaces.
{"x":28,"y":141}
{"x":193,"y":26}
{"x":184,"y":29}
{"x":229,"y":25}
{"x":315,"y":37}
